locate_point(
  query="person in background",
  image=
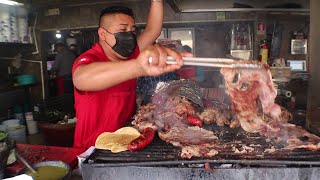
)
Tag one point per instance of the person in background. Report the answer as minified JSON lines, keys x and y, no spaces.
{"x":74,"y":48}
{"x":105,"y":76}
{"x":62,"y":66}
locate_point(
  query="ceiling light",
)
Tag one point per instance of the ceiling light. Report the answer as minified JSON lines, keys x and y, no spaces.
{"x":11,"y":3}
{"x":58,"y":34}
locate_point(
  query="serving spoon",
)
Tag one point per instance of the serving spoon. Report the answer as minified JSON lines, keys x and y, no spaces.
{"x":12,"y":144}
{"x":24,"y":161}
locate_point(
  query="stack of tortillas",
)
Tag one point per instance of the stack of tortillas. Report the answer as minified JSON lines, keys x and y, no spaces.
{"x":117,"y":141}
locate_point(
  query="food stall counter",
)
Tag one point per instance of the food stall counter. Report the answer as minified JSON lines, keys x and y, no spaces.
{"x":38,"y":153}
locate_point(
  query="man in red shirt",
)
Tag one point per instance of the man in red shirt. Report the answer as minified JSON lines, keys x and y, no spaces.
{"x":105,"y":76}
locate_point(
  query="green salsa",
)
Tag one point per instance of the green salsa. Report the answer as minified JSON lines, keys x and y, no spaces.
{"x":2,"y":135}
{"x":49,"y":173}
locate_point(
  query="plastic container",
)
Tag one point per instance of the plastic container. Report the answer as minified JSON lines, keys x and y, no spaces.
{"x":11,"y":122}
{"x":18,"y":133}
{"x":29,"y":116}
{"x":32,"y":127}
{"x":25,"y":79}
{"x":19,"y":116}
{"x":3,"y":128}
{"x":58,"y":134}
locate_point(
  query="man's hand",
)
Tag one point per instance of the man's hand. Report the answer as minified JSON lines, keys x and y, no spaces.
{"x":159,"y":56}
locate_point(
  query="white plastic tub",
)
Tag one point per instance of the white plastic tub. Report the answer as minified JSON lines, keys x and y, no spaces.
{"x":11,"y":122}
{"x":32,"y":127}
{"x":17,"y":132}
{"x":3,"y":128}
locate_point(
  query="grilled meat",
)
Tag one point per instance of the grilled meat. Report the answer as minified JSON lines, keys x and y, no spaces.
{"x":176,"y":123}
{"x":143,"y":118}
{"x":253,"y":89}
{"x":235,"y":123}
{"x":188,"y":136}
{"x":179,"y":121}
{"x":253,"y":85}
{"x":205,"y":150}
{"x":292,"y":137}
{"x":215,"y":115}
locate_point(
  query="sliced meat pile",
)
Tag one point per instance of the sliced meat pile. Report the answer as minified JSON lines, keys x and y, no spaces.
{"x":253,"y":100}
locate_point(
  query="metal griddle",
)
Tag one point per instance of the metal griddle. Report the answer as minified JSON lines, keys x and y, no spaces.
{"x":159,"y":153}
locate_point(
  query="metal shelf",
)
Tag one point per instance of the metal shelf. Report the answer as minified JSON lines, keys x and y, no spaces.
{"x":245,"y":10}
{"x":15,"y":44}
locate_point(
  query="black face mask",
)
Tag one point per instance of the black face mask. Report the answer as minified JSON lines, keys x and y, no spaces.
{"x":126,"y":43}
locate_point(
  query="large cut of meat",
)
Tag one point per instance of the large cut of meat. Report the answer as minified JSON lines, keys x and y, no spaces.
{"x":163,"y":116}
{"x":169,"y":118}
{"x":253,"y":100}
{"x":248,"y":88}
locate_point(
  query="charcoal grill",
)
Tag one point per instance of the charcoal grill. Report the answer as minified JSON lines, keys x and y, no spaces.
{"x":160,"y":157}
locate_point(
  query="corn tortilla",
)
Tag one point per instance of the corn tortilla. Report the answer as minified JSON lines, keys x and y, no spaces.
{"x":117,"y":141}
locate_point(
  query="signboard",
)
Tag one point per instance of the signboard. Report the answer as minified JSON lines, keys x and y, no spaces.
{"x":221,"y":16}
{"x":261,"y":28}
{"x":298,"y":46}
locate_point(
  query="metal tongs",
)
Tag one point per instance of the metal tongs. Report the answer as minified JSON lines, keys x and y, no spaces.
{"x":212,"y":62}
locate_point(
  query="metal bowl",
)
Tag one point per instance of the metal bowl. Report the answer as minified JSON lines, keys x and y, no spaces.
{"x":51,"y":163}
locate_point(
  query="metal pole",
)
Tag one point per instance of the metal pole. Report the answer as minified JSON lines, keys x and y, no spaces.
{"x":41,"y":72}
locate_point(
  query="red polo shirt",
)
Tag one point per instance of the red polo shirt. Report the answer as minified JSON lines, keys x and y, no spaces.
{"x":102,"y":111}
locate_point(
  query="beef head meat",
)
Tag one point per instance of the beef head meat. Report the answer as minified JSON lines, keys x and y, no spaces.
{"x":253,"y":100}
{"x":169,"y":116}
{"x":249,"y":88}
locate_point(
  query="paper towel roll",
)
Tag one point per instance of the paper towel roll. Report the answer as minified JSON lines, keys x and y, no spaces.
{"x":288,"y":94}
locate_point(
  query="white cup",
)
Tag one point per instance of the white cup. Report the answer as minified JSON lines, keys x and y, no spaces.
{"x":32,"y":127}
{"x":29,"y":116}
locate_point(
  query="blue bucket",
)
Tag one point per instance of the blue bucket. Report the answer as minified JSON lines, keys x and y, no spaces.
{"x":25,"y":79}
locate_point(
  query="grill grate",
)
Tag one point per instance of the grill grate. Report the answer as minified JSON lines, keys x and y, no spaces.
{"x":159,"y":153}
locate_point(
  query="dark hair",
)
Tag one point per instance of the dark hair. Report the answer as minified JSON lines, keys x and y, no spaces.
{"x":116,"y":10}
{"x":59,"y":44}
